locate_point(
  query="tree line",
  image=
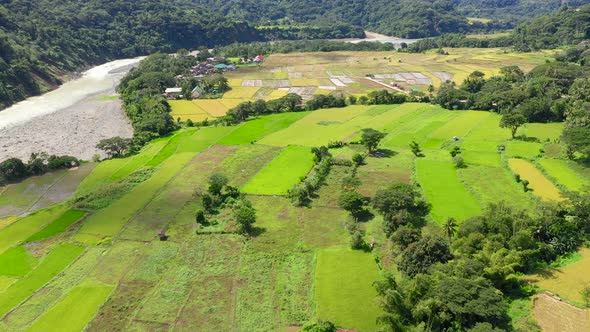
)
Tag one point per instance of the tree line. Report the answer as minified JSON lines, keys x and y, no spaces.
{"x":568,"y":26}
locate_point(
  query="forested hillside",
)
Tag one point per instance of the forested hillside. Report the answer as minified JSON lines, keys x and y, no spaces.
{"x":402,"y":18}
{"x":39,"y":39}
{"x":513,"y":11}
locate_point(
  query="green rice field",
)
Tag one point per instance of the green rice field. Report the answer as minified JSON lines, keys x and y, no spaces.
{"x":107,"y":261}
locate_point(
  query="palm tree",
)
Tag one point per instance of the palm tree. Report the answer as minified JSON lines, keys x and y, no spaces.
{"x":450,"y":228}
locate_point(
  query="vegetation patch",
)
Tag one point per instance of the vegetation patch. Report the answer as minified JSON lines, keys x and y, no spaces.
{"x":57,"y":226}
{"x":343,"y":288}
{"x":444,"y":190}
{"x":561,"y":171}
{"x":16,"y":262}
{"x":282,"y":173}
{"x":49,"y":267}
{"x":256,"y":129}
{"x":539,"y":184}
{"x":27,"y":226}
{"x":86,"y":299}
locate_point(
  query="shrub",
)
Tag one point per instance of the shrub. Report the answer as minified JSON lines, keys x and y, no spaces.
{"x":459,"y":162}
{"x":200,"y":217}
{"x":357,"y":241}
{"x":358,"y":159}
{"x":13,"y":169}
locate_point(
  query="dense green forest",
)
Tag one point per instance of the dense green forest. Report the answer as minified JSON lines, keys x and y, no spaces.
{"x":568,"y":26}
{"x":39,"y":40}
{"x":512,"y":11}
{"x":403,"y":18}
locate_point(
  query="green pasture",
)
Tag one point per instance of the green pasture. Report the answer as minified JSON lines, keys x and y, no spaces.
{"x":112,"y":170}
{"x":16,"y":262}
{"x":564,"y":173}
{"x":170,"y":148}
{"x":494,"y":184}
{"x":459,"y":126}
{"x":418,"y":126}
{"x":109,"y":221}
{"x":444,"y":190}
{"x":256,"y":129}
{"x":318,"y":128}
{"x":58,"y":259}
{"x":542,"y":131}
{"x":528,"y":150}
{"x":343,"y":288}
{"x":493,"y":159}
{"x":27,"y":226}
{"x":80,"y":305}
{"x":282,"y":173}
{"x":57,"y":226}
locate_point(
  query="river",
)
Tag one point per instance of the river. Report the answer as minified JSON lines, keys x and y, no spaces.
{"x":70,"y":119}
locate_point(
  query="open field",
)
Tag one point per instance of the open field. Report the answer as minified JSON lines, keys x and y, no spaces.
{"x":539,"y":184}
{"x":566,"y":281}
{"x":345,"y":73}
{"x":109,"y":264}
{"x":449,"y":197}
{"x":282,"y":173}
{"x":347,"y":274}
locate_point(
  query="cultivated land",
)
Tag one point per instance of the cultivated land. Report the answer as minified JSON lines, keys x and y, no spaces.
{"x":108,"y":263}
{"x":348,"y":73}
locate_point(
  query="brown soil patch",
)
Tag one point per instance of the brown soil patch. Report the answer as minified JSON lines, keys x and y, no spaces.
{"x":115,"y":314}
{"x":554,"y":315}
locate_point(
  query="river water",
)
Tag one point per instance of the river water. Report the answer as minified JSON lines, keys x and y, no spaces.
{"x":70,"y":119}
{"x":100,"y":79}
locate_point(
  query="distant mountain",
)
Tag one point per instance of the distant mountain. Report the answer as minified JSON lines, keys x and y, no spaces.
{"x":512,"y":11}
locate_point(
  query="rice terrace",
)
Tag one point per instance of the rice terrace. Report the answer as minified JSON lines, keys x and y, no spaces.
{"x":359,"y":190}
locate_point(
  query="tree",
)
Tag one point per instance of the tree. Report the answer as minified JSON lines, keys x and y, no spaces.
{"x":356,"y":240}
{"x":244,"y":215}
{"x":459,"y":162}
{"x":420,"y":255}
{"x":513,"y":121}
{"x":405,"y":235}
{"x":399,"y":204}
{"x":371,"y":138}
{"x":455,"y":151}
{"x":416,"y":150}
{"x":200,"y":217}
{"x":216,"y":183}
{"x":353,"y":202}
{"x":115,"y":146}
{"x":358,"y":159}
{"x":13,"y":169}
{"x":450,"y":228}
{"x":577,"y":139}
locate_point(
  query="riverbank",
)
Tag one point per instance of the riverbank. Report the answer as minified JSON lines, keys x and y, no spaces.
{"x":69,"y":120}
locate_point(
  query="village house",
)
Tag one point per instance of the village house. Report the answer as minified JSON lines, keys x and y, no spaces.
{"x":173,"y":93}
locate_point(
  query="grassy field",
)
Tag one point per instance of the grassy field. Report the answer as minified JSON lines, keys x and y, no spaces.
{"x":254,"y":130}
{"x":564,"y":174}
{"x":566,"y":281}
{"x":282,"y":173}
{"x":108,"y":263}
{"x":48,"y":268}
{"x":343,"y":292}
{"x":539,"y":184}
{"x":444,"y":190}
{"x":86,"y":299}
